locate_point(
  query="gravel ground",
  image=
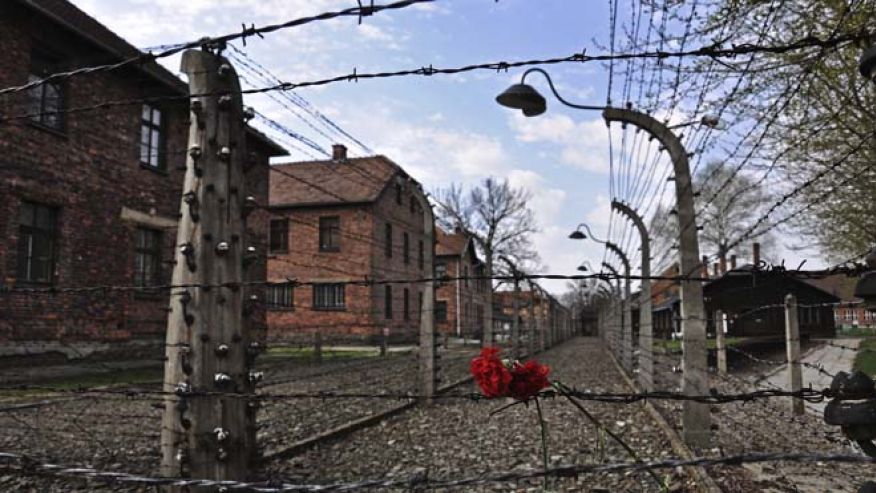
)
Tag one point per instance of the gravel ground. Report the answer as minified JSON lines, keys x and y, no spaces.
{"x":458,"y":438}
{"x":121,"y":433}
{"x":766,"y":426}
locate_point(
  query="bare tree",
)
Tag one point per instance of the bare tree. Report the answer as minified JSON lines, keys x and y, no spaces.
{"x":728,"y":204}
{"x":499,"y":219}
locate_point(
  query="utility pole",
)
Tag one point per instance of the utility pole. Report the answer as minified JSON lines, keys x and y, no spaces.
{"x":792,"y":345}
{"x":696,"y":422}
{"x":208,"y":428}
{"x":646,"y":339}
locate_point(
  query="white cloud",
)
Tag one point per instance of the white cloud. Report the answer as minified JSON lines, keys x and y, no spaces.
{"x":580,"y":144}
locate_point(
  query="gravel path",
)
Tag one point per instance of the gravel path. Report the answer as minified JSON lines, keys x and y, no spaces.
{"x":766,"y":426}
{"x":459,"y":438}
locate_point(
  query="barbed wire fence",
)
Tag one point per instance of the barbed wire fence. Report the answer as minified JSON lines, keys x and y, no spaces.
{"x":84,"y":415}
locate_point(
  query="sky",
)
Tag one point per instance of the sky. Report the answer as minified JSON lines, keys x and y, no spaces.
{"x":442,"y":129}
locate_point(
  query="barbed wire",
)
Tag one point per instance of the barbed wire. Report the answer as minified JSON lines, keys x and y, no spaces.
{"x":26,"y":465}
{"x":355,"y":76}
{"x":215,"y":41}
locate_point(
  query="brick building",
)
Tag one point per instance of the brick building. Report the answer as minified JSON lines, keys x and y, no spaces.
{"x":849,"y":313}
{"x":341,"y":220}
{"x":460,"y":304}
{"x":91,"y":198}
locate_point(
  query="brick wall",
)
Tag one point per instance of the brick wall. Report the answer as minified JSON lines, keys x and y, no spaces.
{"x":472,"y":296}
{"x":91,"y":172}
{"x":362,"y":254}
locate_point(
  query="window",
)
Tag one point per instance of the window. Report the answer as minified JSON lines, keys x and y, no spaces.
{"x":279,"y":236}
{"x":413,"y":205}
{"x":151,"y":137}
{"x":441,"y":311}
{"x":406,"y":245}
{"x":46,"y":100}
{"x":440,"y":271}
{"x":465,"y":274}
{"x":398,"y":194}
{"x":36,"y":242}
{"x":329,"y":234}
{"x":421,"y":255}
{"x":388,"y":240}
{"x":387,"y":302}
{"x":406,"y":304}
{"x":420,"y":305}
{"x":147,"y":258}
{"x":279,"y":296}
{"x":328,"y":297}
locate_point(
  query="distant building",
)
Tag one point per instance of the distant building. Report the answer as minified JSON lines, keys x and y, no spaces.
{"x":340,"y":220}
{"x":849,"y":313}
{"x":753,"y":300}
{"x":460,"y":303}
{"x":91,"y":198}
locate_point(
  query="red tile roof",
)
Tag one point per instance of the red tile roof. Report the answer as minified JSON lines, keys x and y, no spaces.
{"x":328,"y":182}
{"x":450,"y":243}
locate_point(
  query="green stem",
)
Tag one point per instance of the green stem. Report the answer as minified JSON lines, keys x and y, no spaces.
{"x":544,"y":447}
{"x":562,"y":390}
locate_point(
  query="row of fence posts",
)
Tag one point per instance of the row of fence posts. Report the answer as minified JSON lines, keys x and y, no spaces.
{"x":208,"y":428}
{"x":614,"y":326}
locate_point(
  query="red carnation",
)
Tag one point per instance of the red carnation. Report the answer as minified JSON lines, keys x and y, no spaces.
{"x":528,"y":379}
{"x":490,"y":373}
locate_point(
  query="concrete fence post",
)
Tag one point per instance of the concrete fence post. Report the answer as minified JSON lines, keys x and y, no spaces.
{"x":792,"y":344}
{"x":720,"y":341}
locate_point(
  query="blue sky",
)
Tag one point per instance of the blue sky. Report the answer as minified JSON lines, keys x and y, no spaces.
{"x":442,"y":129}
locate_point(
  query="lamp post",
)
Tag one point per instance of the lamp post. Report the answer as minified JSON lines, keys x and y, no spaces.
{"x":646,"y":362}
{"x":616,"y":310}
{"x":626,"y":328}
{"x":695,"y":416}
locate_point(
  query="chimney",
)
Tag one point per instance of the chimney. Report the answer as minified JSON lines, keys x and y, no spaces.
{"x":755,"y":252}
{"x":723,"y":264}
{"x":705,"y":266}
{"x":733,"y":261}
{"x":339,"y":152}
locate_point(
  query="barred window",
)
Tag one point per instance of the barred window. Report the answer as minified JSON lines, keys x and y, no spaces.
{"x":46,"y":100}
{"x":441,"y":311}
{"x":279,"y":236}
{"x":388,"y":240}
{"x":328,"y":297}
{"x":147,"y":258}
{"x":279,"y":296}
{"x":387,"y":302}
{"x":151,"y":137}
{"x":329,"y":234}
{"x":37,"y":237}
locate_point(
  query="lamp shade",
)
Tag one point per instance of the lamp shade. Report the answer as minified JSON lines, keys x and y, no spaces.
{"x":523,"y":97}
{"x":577,"y":235}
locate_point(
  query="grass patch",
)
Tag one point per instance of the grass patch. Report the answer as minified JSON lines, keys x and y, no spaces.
{"x":675,"y":345}
{"x":857,"y":332}
{"x":865,"y":359}
{"x":307,"y":353}
{"x":100,"y":378}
